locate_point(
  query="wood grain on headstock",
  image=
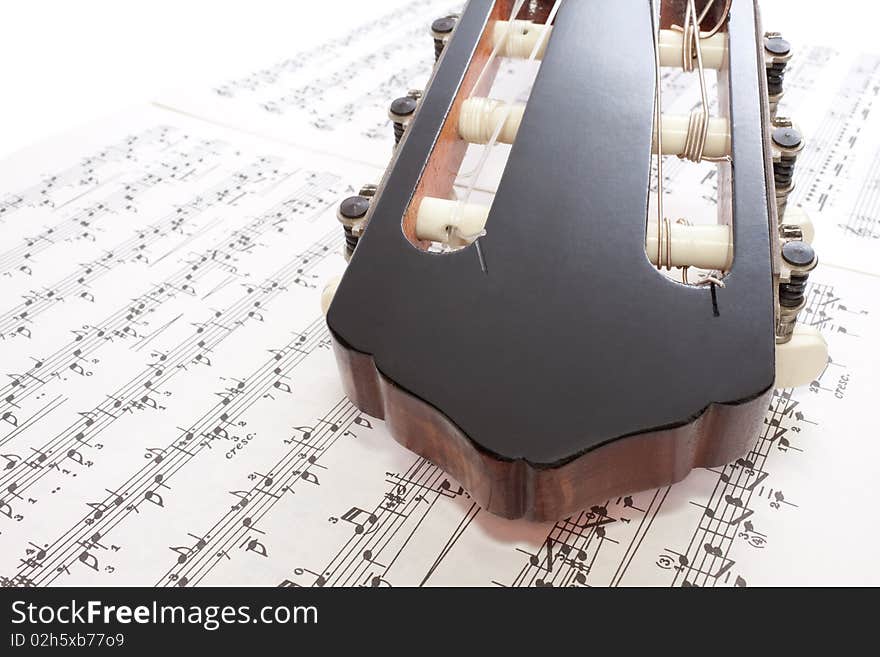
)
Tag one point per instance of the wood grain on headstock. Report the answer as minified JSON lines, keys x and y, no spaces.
{"x":534,"y":10}
{"x":517,"y":489}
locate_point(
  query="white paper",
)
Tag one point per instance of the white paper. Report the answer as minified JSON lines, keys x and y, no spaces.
{"x":335,"y":97}
{"x":172,"y":414}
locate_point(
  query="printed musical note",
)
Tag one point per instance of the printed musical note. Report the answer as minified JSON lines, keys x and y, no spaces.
{"x":355,"y":516}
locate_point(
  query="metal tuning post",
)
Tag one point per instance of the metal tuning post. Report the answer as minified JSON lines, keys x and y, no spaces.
{"x":801,"y":351}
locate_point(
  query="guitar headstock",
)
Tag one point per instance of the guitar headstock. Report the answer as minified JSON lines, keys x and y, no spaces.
{"x":528,"y":303}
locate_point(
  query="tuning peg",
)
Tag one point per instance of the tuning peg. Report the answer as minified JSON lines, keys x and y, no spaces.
{"x":801,"y":351}
{"x":402,"y":111}
{"x":798,"y":260}
{"x":441,"y":30}
{"x":352,"y":214}
{"x":787,"y":142}
{"x":777,"y":54}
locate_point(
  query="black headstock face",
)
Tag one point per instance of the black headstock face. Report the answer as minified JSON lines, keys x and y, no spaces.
{"x":543,"y":359}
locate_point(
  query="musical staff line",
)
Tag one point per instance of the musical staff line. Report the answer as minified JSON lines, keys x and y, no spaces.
{"x":297,"y":466}
{"x":163,"y":464}
{"x":124,"y":323}
{"x":141,"y":391}
{"x":85,"y":174}
{"x":737,"y":484}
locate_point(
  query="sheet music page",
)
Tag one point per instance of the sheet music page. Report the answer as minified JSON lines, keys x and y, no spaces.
{"x":334,"y":97}
{"x":171,"y":414}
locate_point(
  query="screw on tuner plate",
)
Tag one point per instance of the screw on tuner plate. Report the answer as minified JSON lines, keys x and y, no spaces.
{"x":441,"y":30}
{"x":402,"y":111}
{"x":777,"y":54}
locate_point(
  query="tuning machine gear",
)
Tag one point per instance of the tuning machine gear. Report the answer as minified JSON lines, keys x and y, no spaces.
{"x":787,"y":142}
{"x":801,"y":351}
{"x":402,"y":111}
{"x":352,"y":211}
{"x":798,"y":260}
{"x":441,"y":31}
{"x":352,"y":214}
{"x":777,"y":54}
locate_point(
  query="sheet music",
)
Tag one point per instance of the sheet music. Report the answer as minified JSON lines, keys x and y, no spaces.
{"x":171,"y":414}
{"x":335,"y":97}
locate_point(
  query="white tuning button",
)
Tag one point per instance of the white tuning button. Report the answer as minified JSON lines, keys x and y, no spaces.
{"x":704,"y":246}
{"x":329,"y":292}
{"x":798,"y":217}
{"x":802,"y":359}
{"x":518,"y":39}
{"x":481,"y":117}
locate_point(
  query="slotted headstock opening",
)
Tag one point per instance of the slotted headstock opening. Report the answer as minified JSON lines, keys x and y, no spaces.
{"x":689,"y":237}
{"x":450,"y":209}
{"x":496,"y":83}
